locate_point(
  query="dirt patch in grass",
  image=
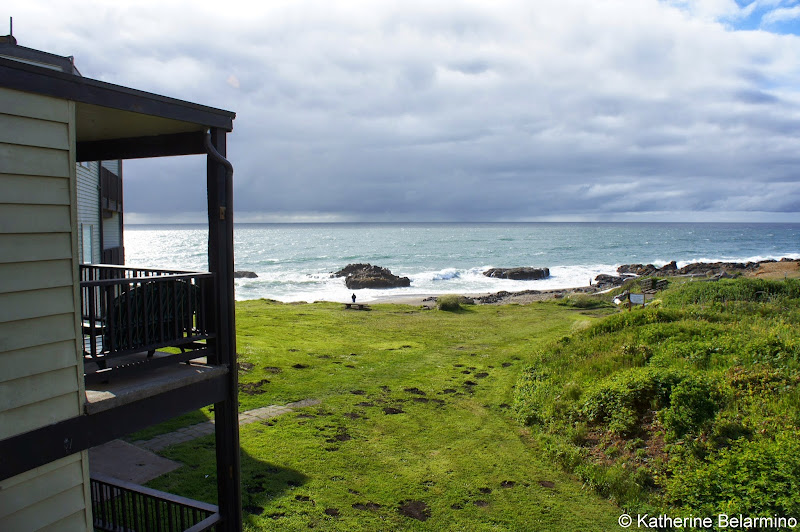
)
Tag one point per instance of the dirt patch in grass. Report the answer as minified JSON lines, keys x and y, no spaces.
{"x":481,"y":375}
{"x":333,"y":512}
{"x":508,"y":484}
{"x":415,"y":509}
{"x":272,"y":369}
{"x":389,"y":410}
{"x":341,"y":436}
{"x":253,"y":510}
{"x":244,"y":366}
{"x":367,"y":506}
{"x":547,"y":484}
{"x":480,"y":503}
{"x":416,"y":391}
{"x":253,"y":388}
{"x":603,"y":445}
{"x":299,"y":366}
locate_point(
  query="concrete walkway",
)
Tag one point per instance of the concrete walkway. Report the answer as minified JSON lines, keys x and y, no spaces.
{"x":138,"y":463}
{"x":207,"y":427}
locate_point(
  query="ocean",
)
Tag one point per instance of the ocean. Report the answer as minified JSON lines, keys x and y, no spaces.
{"x":294,"y":262}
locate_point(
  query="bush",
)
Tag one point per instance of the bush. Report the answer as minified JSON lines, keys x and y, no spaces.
{"x":626,"y":320}
{"x":749,"y":290}
{"x":693,"y":402}
{"x":756,"y":478}
{"x":449,"y":303}
{"x":623,"y":400}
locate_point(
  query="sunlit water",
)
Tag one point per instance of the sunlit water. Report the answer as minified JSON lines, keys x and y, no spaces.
{"x":294,"y":261}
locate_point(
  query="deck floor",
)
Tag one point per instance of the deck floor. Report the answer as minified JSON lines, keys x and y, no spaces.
{"x":124,"y":390}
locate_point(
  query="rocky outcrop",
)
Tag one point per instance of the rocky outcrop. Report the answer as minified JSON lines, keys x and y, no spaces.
{"x":369,"y":276}
{"x":696,"y":269}
{"x":244,"y":275}
{"x":604,"y":282}
{"x":518,"y":274}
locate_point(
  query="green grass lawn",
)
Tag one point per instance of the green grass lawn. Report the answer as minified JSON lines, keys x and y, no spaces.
{"x":414,"y":430}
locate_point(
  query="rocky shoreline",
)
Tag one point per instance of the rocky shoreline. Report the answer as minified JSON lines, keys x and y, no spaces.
{"x":777,"y":269}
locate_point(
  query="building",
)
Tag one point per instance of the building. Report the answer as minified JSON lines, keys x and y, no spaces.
{"x":99,"y":183}
{"x":80,"y":341}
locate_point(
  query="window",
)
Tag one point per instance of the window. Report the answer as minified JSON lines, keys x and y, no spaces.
{"x":86,"y":240}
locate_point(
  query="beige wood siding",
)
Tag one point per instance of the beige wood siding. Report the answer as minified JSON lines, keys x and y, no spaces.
{"x":47,"y":498}
{"x":41,"y":368}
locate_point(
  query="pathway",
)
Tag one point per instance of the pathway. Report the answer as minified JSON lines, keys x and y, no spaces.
{"x":207,"y":427}
{"x":139,"y":464}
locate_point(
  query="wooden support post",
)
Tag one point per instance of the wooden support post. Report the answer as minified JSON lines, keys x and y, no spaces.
{"x":220,"y":262}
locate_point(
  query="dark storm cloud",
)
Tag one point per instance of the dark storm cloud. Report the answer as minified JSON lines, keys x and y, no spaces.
{"x":504,"y":110}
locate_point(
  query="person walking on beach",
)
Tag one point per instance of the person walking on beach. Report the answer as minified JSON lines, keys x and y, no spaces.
{"x":354,"y":298}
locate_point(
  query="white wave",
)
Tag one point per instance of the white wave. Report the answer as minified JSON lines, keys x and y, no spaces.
{"x":441,"y":275}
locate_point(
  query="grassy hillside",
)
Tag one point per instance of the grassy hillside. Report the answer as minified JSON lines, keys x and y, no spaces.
{"x":690,"y":406}
{"x":414,"y":431}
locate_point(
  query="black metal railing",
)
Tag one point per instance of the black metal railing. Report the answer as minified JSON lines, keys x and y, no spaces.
{"x":119,"y":506}
{"x":131,"y":310}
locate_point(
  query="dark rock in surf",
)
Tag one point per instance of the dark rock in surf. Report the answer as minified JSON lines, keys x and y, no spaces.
{"x":244,"y":275}
{"x":603,"y":281}
{"x":518,"y":274}
{"x":369,"y":276}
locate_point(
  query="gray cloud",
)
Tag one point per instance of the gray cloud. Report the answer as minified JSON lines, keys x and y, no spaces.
{"x":506,"y":110}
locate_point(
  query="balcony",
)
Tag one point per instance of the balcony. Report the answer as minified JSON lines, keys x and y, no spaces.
{"x":146,"y":342}
{"x":128,"y":313}
{"x":121,"y":506}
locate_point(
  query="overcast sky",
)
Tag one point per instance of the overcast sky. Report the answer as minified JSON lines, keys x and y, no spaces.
{"x":646,"y":110}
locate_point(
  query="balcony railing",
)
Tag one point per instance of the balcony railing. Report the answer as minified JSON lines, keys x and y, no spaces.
{"x":119,"y":506}
{"x":138,"y":310}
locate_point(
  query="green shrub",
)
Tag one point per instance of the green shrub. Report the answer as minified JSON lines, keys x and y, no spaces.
{"x":727,"y":430}
{"x":623,"y":400}
{"x":723,"y":291}
{"x":755,"y":478}
{"x":636,"y":355}
{"x":693,"y":402}
{"x":626,"y":320}
{"x":448,"y":303}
